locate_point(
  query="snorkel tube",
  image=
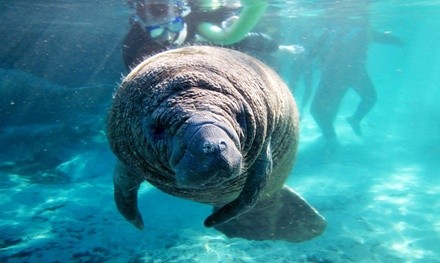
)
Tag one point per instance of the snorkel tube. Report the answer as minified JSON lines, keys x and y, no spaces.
{"x":251,"y":13}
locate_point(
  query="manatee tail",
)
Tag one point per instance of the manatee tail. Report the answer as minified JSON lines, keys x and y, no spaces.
{"x":285,"y":216}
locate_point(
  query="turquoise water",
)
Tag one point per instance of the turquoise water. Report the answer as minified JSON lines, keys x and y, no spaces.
{"x":60,"y":62}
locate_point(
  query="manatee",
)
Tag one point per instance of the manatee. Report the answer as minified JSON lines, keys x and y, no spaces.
{"x":215,"y":126}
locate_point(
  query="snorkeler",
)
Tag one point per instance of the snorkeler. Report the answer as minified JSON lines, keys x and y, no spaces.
{"x":157,"y":26}
{"x":342,"y":51}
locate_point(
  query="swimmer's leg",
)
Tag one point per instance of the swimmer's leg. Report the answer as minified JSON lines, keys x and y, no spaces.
{"x":366,"y":90}
{"x":325,"y":106}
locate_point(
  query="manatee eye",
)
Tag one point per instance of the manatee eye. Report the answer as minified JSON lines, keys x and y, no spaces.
{"x":158,"y":131}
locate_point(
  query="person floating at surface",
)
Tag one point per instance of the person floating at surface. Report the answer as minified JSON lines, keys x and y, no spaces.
{"x":342,"y":52}
{"x":161,"y":25}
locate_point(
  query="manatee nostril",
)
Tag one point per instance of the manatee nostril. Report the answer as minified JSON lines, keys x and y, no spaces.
{"x":209,"y":147}
{"x":222,"y":145}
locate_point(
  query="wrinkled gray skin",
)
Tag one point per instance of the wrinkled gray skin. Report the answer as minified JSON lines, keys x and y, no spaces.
{"x":215,"y":126}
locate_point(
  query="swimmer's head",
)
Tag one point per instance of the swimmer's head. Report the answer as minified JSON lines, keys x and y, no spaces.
{"x":163,"y":20}
{"x":156,"y":12}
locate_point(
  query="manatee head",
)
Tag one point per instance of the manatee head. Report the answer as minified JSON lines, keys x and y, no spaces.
{"x":207,"y":154}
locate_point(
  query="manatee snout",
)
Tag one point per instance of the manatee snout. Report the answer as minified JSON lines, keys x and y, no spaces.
{"x":210,"y":158}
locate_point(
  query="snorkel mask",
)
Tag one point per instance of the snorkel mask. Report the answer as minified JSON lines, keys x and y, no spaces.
{"x":174,"y":26}
{"x":159,"y":18}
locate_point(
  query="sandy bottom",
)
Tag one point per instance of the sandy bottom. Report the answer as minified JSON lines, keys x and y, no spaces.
{"x":381,"y":202}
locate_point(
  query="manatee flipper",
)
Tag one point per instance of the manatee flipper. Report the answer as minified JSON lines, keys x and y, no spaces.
{"x":126,"y":186}
{"x":255,"y":181}
{"x":285,"y":216}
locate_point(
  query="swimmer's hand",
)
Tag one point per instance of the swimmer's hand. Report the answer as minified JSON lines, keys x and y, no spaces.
{"x":292,"y":49}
